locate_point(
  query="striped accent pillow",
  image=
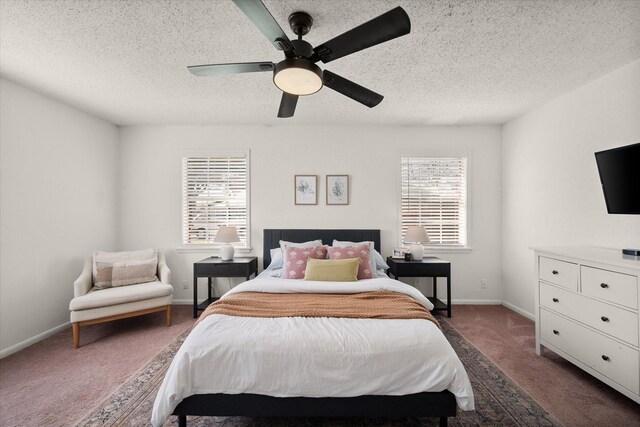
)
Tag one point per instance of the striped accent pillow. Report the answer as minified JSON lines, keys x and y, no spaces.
{"x":112,"y":269}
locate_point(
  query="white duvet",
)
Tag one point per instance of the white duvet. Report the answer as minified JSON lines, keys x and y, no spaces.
{"x":313,"y":357}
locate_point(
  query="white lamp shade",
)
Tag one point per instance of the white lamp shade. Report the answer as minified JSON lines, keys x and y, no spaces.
{"x":416,"y":234}
{"x":227,"y":235}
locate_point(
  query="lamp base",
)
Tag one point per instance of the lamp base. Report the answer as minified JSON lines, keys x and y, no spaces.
{"x":226,"y":252}
{"x":417,"y":251}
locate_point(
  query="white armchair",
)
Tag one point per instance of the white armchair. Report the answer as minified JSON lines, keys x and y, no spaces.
{"x":91,"y":305}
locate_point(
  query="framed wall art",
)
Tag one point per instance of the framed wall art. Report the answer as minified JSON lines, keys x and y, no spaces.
{"x":337,"y":189}
{"x":306,"y":190}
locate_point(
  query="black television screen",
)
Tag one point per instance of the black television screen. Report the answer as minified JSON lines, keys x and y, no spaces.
{"x":619,"y":170}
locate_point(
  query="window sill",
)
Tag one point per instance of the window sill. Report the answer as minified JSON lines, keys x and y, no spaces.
{"x":447,"y":250}
{"x":209,"y":249}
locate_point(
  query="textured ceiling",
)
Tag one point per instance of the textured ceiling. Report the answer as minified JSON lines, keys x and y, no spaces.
{"x":464,"y":62}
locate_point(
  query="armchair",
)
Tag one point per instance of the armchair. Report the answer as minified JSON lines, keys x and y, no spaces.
{"x":91,"y":305}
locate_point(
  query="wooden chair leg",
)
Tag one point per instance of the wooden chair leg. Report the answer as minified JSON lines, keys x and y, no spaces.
{"x":76,"y":334}
{"x":169,"y":315}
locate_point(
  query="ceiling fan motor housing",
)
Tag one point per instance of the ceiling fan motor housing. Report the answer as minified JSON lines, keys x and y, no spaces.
{"x":300,"y":23}
{"x":302,"y":48}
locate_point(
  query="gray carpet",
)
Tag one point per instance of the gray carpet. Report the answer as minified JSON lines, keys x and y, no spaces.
{"x":499,"y":401}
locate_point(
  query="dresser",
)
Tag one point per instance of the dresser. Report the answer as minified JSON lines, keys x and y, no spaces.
{"x":587,"y":312}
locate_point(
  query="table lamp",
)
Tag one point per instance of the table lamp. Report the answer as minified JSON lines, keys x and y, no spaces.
{"x":416,"y":235}
{"x":226,"y":235}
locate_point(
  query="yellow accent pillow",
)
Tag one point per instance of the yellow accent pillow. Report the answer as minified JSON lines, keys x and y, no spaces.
{"x":332,"y":270}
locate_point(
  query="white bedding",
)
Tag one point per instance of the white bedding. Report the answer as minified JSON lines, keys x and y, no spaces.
{"x":313,"y":357}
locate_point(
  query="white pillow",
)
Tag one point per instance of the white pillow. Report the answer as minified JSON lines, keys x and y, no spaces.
{"x":380,"y":273}
{"x":276,"y":259}
{"x":274,"y":272}
{"x":309,"y":244}
{"x":377,"y":262}
{"x":380,"y":262}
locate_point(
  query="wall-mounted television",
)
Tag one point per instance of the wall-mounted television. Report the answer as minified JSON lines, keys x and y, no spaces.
{"x":619,"y":170}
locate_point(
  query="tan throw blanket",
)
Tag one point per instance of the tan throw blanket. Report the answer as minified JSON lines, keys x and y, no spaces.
{"x":365,"y":305}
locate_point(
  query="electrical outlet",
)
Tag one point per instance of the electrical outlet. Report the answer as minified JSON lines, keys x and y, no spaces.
{"x":185,"y":284}
{"x":483,"y":284}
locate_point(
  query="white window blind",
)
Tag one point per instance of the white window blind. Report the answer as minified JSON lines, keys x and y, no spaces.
{"x":434,"y":195}
{"x":214,"y":194}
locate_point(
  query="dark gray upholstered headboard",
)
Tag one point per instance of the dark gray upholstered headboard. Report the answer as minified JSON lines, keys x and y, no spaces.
{"x":272,"y":238}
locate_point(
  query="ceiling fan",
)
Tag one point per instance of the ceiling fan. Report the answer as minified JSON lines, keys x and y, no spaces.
{"x":298,"y":73}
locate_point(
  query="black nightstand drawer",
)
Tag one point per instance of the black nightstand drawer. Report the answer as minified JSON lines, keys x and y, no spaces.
{"x":221,"y":270}
{"x":418,"y":269}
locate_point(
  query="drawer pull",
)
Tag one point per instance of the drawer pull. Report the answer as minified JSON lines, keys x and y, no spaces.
{"x":556,"y":300}
{"x":604,"y":285}
{"x":556,"y":332}
{"x":605,"y":358}
{"x":554,"y":272}
{"x":604,"y":318}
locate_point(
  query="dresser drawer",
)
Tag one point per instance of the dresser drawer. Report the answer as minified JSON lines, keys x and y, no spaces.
{"x":604,"y":317}
{"x":612,"y":359}
{"x":615,"y":287}
{"x":561,"y":273}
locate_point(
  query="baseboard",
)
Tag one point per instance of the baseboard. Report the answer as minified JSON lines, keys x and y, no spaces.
{"x":476,"y":302}
{"x":519,"y":310}
{"x":34,"y":339}
{"x":46,"y":334}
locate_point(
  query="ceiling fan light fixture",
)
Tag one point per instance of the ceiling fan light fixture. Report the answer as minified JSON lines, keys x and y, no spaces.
{"x":297,"y":76}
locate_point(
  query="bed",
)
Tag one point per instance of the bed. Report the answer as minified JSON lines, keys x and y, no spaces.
{"x":282,"y":399}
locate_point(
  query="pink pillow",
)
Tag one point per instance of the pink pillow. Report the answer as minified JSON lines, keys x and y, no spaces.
{"x":362,"y":252}
{"x":295,"y":260}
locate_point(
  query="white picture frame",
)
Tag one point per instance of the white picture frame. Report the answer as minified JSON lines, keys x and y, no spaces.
{"x":398,"y":253}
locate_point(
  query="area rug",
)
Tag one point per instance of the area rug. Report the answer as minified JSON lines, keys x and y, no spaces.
{"x":499,"y":401}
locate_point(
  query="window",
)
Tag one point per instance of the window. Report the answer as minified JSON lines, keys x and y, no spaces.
{"x":434,"y":195}
{"x":215,"y":193}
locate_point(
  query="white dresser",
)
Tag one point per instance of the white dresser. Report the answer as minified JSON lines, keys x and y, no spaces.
{"x":587,"y":312}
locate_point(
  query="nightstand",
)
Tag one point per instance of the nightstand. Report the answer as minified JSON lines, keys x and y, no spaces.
{"x":215,"y":267}
{"x":427,"y":267}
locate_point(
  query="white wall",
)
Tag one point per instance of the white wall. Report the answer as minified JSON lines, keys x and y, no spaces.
{"x":551,"y":190}
{"x":58,"y":180}
{"x":150,"y":207}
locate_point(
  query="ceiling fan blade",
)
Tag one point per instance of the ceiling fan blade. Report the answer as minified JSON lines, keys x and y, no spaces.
{"x":241,"y":67}
{"x":351,"y":89}
{"x":287,"y":105}
{"x":385,"y":27}
{"x":257,"y":12}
